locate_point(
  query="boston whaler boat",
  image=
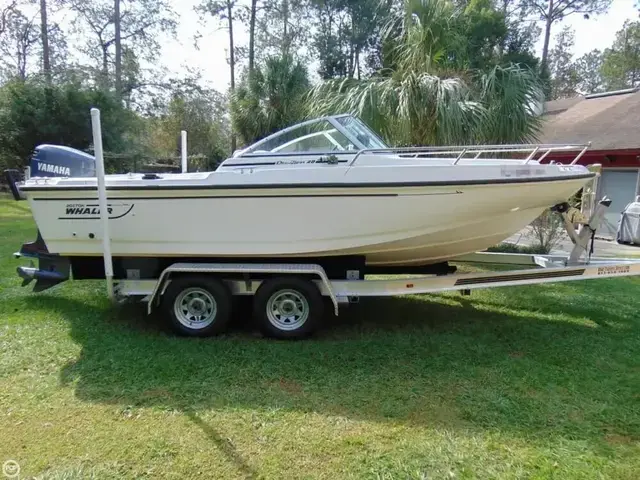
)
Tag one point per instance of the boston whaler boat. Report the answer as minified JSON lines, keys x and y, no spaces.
{"x":329,"y":187}
{"x":326,"y":197}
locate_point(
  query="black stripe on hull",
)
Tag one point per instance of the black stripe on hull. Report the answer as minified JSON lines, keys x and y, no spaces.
{"x":368,"y":195}
{"x":290,"y":186}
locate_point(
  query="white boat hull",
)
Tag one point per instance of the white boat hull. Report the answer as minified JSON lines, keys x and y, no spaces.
{"x":387,"y":225}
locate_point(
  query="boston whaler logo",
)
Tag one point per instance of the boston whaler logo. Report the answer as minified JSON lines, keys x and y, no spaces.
{"x":88,"y":211}
{"x":57,"y":169}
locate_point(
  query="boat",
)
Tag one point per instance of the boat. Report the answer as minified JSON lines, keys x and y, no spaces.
{"x":327,"y":190}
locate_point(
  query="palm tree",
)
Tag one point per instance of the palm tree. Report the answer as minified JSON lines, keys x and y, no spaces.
{"x":425,"y":98}
{"x":269,"y":98}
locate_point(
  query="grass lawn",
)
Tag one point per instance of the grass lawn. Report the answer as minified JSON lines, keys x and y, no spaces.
{"x":528,"y":382}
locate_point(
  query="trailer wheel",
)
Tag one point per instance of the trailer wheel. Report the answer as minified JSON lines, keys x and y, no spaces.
{"x":288,"y":307}
{"x":197,"y":306}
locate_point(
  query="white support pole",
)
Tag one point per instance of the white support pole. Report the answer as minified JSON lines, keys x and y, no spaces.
{"x":102,"y":199}
{"x":183,"y":144}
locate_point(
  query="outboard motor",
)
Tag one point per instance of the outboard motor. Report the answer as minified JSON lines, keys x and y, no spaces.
{"x":52,"y":161}
{"x":60,"y":161}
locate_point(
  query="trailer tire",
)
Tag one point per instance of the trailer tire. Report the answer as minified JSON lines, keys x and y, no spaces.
{"x":197,"y":306}
{"x":288,"y":308}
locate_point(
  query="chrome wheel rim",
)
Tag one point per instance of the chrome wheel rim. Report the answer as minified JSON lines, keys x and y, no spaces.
{"x":195,"y":308}
{"x":287,"y":310}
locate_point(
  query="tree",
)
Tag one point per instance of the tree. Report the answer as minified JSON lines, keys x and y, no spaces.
{"x":32,"y":113}
{"x":552,"y":11}
{"x":422,"y":102}
{"x":18,"y":45}
{"x":621,"y":62}
{"x":282,"y":28}
{"x":269,"y":98}
{"x":117,"y":40}
{"x":483,"y":29}
{"x":345,"y":30}
{"x":252,"y":33}
{"x":564,"y":75}
{"x":589,"y":68}
{"x":44,"y":34}
{"x":140,"y":23}
{"x":201,"y":113}
{"x":518,"y":45}
{"x":5,"y":14}
{"x":224,"y":11}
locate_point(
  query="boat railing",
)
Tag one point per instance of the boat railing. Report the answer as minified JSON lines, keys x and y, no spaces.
{"x":532,"y":151}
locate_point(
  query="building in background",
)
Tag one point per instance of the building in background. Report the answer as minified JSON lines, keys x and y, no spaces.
{"x":611,"y":122}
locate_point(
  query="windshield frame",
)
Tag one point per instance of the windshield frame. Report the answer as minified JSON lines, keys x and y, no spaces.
{"x":335,"y":122}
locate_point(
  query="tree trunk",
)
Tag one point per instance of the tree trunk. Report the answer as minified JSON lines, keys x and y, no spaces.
{"x":46,"y":54}
{"x":285,"y":30}
{"x":118,"y":44}
{"x":547,"y":37}
{"x":352,"y":63}
{"x":105,"y":65}
{"x":252,"y":34}
{"x":505,"y":5}
{"x":232,"y":62}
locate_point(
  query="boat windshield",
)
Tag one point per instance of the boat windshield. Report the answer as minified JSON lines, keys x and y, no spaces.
{"x":342,"y":133}
{"x":360,"y":131}
{"x":320,"y":136}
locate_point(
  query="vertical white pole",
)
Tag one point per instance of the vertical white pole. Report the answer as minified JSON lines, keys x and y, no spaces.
{"x":183,"y":144}
{"x":102,"y":199}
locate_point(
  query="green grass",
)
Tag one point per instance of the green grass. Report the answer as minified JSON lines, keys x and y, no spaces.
{"x":531,"y":382}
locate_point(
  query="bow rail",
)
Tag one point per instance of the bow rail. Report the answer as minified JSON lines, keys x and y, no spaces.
{"x":458,"y":152}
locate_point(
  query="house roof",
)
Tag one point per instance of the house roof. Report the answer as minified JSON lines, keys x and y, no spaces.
{"x":609,"y":121}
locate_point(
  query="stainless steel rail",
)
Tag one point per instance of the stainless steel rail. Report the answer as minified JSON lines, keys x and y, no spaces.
{"x":458,"y":152}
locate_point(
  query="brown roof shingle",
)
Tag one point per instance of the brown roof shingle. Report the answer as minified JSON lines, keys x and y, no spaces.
{"x":610,"y":122}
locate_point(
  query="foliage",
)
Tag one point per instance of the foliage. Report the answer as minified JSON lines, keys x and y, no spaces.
{"x":32,"y":113}
{"x":565,"y":76}
{"x":518,"y":45}
{"x":506,"y":247}
{"x":283,"y":28}
{"x":621,"y":63}
{"x":269,"y":98}
{"x":18,"y":45}
{"x":201,"y":114}
{"x":483,"y":29}
{"x":423,"y":101}
{"x":345,"y":31}
{"x":21,"y":48}
{"x":547,"y":231}
{"x":141,"y":23}
{"x":589,"y":69}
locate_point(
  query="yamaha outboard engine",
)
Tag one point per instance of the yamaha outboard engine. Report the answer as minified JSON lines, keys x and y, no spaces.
{"x":59,"y":161}
{"x":52,"y":161}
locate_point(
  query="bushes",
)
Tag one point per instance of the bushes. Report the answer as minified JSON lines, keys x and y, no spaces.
{"x":507,"y":247}
{"x":32,"y":113}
